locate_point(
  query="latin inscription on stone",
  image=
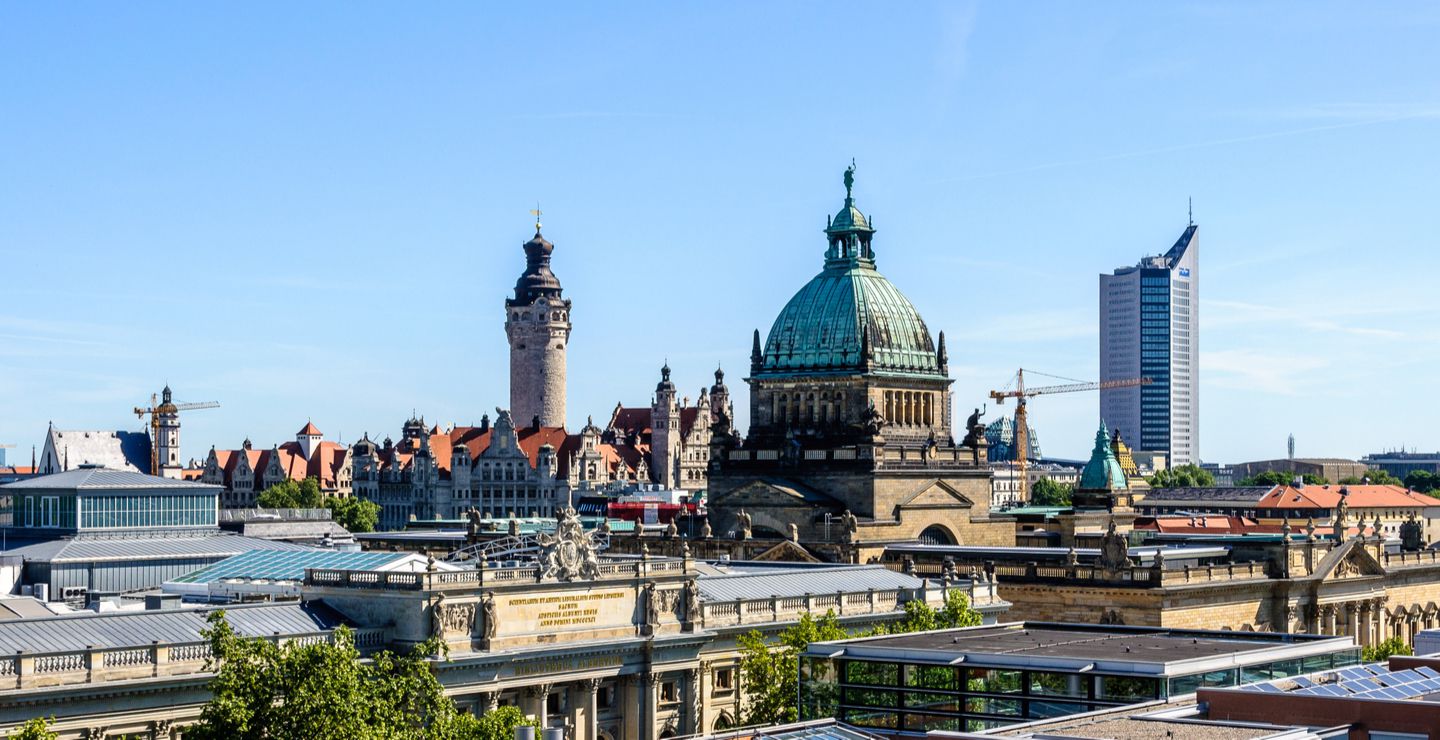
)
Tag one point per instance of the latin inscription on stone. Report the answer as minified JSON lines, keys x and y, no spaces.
{"x":572,"y":611}
{"x":559,"y":666}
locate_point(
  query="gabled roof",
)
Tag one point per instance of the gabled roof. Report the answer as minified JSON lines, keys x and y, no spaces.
{"x":1366,"y":496}
{"x":310,"y":430}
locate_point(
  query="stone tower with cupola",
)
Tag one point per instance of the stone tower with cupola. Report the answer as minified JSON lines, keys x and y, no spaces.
{"x":537,"y":323}
{"x":167,"y":446}
{"x":665,"y":431}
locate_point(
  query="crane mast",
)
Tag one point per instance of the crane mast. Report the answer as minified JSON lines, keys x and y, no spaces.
{"x":1021,"y":394}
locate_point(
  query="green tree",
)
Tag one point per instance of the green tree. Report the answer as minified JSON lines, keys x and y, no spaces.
{"x":771,"y":670}
{"x":288,"y":494}
{"x":498,"y":724}
{"x":354,"y":513}
{"x":1281,"y":478}
{"x":1422,"y":481}
{"x":1373,"y":476}
{"x":1381,"y":651}
{"x":35,"y":729}
{"x":323,"y":691}
{"x":1047,"y":492}
{"x":1182,"y":476}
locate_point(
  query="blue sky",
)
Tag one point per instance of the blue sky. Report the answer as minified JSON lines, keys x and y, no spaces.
{"x":317,"y":212}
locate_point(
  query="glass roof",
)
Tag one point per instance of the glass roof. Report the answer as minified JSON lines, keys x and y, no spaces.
{"x":288,"y":565}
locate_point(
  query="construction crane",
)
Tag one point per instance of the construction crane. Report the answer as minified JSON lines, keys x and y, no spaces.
{"x":1021,"y":394}
{"x":165,"y":406}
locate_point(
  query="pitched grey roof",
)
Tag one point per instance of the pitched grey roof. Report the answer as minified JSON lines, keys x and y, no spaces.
{"x":799,"y":581}
{"x":1235,"y":494}
{"x":86,"y":549}
{"x":95,"y":478}
{"x":118,"y":450}
{"x":141,"y":628}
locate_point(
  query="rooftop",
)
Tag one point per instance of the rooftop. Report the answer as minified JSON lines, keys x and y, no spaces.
{"x":98,"y":478}
{"x":139,"y":547}
{"x":1109,"y":648}
{"x":143,"y":628}
{"x":739,"y":582}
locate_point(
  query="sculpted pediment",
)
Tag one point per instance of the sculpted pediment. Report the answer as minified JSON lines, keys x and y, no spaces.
{"x":766,"y":493}
{"x":786,"y":552}
{"x":936,"y":494}
{"x":1350,"y":560}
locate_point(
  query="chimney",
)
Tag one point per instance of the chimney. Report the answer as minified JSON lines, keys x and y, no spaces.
{"x":1298,"y":481}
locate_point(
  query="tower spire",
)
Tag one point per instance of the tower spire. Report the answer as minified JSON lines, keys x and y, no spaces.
{"x":537,"y":213}
{"x":1190,"y":207}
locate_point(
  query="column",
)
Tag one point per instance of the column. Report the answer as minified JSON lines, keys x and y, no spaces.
{"x":588,"y":727}
{"x":650,"y":685}
{"x":693,"y":711}
{"x":539,"y":703}
{"x":630,"y":689}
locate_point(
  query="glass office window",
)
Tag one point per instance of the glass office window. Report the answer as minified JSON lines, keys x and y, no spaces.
{"x":819,"y":690}
{"x":1188,"y":684}
{"x":872,"y":674}
{"x":928,"y":722}
{"x":1056,"y":684}
{"x":1127,"y":688}
{"x":993,"y":680}
{"x":941,"y":678}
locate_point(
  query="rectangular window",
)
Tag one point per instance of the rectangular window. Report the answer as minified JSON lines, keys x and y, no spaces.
{"x":872,"y":674}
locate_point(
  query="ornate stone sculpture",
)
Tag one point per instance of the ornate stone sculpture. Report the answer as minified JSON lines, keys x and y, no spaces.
{"x":671,"y":530}
{"x":851,"y":524}
{"x":1114,"y":550}
{"x":492,"y":618}
{"x":652,"y":606}
{"x":705,"y":531}
{"x":472,"y":526}
{"x":692,"y":602}
{"x":568,"y":554}
{"x":872,"y":420}
{"x":1412,"y":534}
{"x":794,"y":532}
{"x":742,"y":523}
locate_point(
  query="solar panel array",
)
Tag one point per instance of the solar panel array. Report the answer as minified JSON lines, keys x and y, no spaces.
{"x":288,"y":565}
{"x":1357,"y":682}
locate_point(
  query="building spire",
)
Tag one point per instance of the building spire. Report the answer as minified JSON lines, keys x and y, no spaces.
{"x":537,"y":213}
{"x":1190,"y":202}
{"x":757,"y":359}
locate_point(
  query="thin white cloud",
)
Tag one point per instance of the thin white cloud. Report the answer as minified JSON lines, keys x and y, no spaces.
{"x":1223,"y":313}
{"x":1261,"y":371}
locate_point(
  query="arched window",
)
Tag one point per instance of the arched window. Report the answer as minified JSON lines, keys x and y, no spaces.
{"x":936,"y":535}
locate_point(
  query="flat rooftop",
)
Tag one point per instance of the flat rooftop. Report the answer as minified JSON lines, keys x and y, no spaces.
{"x":1136,"y":650}
{"x":1142,"y":722}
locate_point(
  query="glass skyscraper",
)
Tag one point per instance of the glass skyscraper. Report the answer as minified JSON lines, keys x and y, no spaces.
{"x":1150,"y":327}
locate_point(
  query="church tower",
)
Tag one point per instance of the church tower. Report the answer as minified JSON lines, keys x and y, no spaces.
{"x":665,"y":432}
{"x":537,"y":323}
{"x":167,"y":446}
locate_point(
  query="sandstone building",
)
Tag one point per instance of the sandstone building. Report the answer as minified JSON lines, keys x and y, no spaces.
{"x":850,"y":417}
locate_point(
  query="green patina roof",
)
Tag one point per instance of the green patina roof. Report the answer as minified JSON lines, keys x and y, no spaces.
{"x":1103,"y":472}
{"x":827,"y":325}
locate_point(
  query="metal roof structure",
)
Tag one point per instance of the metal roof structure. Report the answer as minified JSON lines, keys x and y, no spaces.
{"x":1213,"y":495}
{"x":849,"y":318}
{"x":290,"y":565}
{"x":91,"y":478}
{"x":138,"y":548}
{"x":737,"y":585}
{"x":143,"y":628}
{"x":1104,"y":648}
{"x":820,"y":729}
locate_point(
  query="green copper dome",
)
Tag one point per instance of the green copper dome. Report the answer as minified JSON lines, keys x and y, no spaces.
{"x":849,"y":318}
{"x":1103,"y":472}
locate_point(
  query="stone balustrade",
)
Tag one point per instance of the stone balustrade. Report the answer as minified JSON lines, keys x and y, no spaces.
{"x":98,"y":665}
{"x":460,"y":580}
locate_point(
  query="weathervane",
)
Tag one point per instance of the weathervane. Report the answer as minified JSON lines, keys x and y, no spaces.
{"x":537,"y":213}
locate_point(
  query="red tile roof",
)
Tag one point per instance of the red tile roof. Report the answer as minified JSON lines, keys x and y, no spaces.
{"x":1364,"y":496}
{"x":309,"y":430}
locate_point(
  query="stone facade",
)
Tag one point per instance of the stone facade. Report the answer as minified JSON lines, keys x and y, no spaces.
{"x":614,"y":649}
{"x":245,"y":471}
{"x":850,"y":418}
{"x":537,"y":324}
{"x":1298,"y":584}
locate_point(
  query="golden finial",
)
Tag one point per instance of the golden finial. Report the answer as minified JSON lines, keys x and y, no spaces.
{"x":536,"y":213}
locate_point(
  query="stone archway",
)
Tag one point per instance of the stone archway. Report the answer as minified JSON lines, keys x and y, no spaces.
{"x":937,"y":534}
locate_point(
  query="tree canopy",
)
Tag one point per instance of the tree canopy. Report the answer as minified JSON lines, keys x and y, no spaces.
{"x":1374,"y":476}
{"x":1182,"y":476}
{"x":325,"y":691}
{"x":1422,"y":481}
{"x":35,"y":729}
{"x":1281,"y":478}
{"x":770,"y":670}
{"x":1381,"y":651}
{"x":1048,"y":492}
{"x":353,"y":513}
{"x":289,"y":494}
